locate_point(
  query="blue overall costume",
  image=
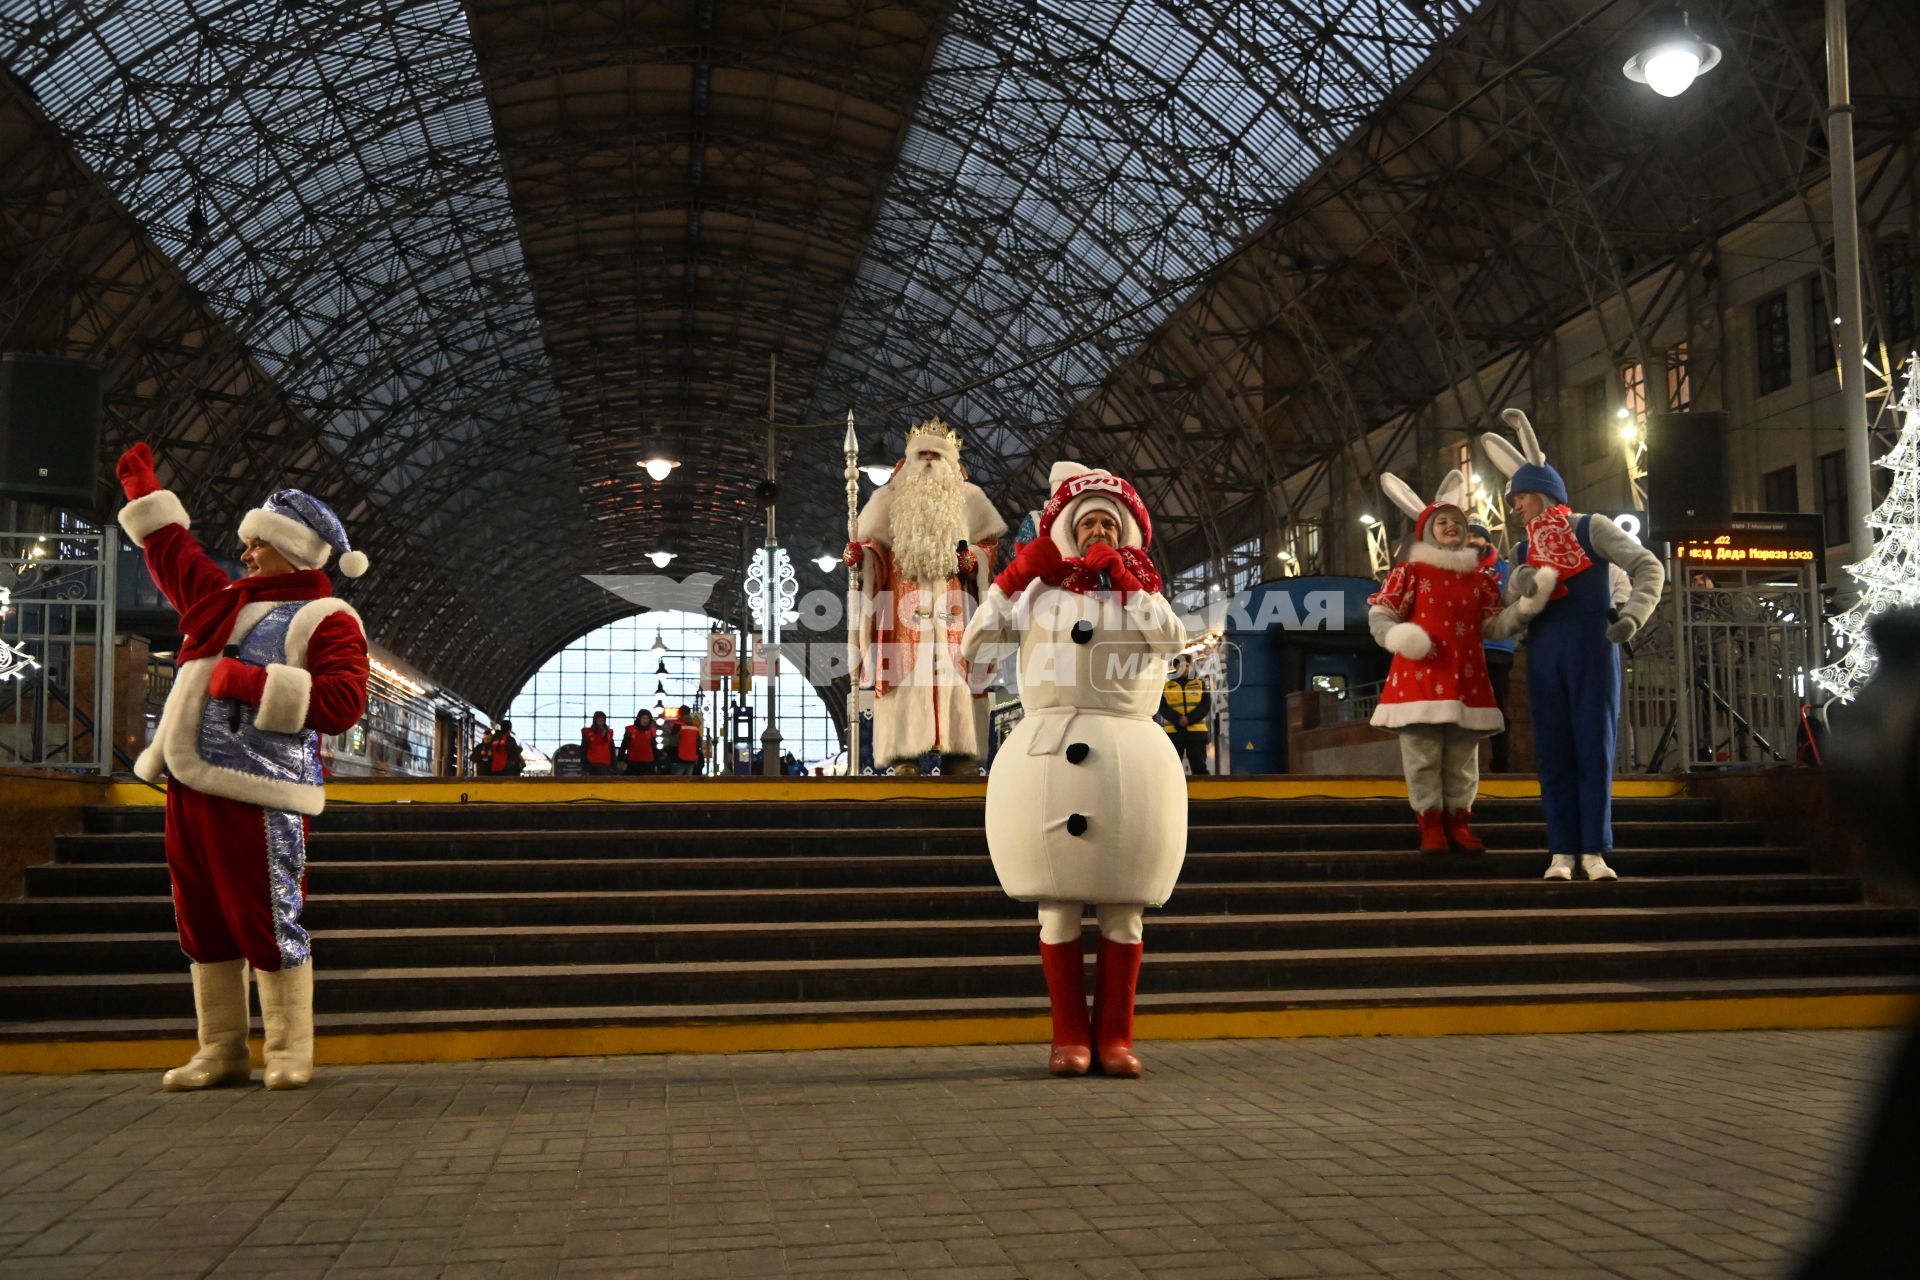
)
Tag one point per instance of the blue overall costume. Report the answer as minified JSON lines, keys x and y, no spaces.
{"x":1573,"y":689}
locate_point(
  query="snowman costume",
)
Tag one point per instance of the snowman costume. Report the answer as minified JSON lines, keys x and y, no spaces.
{"x":1086,"y":801}
{"x":1435,"y":613}
{"x":1573,"y":682}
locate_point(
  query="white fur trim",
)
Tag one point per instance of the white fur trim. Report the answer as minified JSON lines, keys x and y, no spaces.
{"x":303,"y":548}
{"x":984,"y":521}
{"x":174,"y":751}
{"x":1400,"y":715}
{"x":353,"y":564}
{"x":1070,"y":515}
{"x":144,"y":517}
{"x":283,"y":702}
{"x":1458,"y":559}
{"x":311,"y":615}
{"x":1063,"y":472}
{"x":1401,"y":494}
{"x":1409,"y":640}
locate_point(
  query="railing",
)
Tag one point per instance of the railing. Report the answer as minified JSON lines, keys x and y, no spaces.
{"x":1718,"y":677}
{"x":57,"y":629}
{"x":1358,"y":703}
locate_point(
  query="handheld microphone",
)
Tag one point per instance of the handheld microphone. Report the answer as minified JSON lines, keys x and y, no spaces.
{"x":233,"y":704}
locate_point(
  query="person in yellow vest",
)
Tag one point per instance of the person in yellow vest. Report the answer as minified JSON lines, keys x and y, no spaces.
{"x":1186,"y":708}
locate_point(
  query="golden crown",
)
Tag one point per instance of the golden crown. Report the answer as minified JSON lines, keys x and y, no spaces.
{"x":935,"y":427}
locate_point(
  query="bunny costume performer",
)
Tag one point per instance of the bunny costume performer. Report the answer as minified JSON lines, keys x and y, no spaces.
{"x":1572,"y":669}
{"x":1434,"y":613}
{"x":1086,"y":801}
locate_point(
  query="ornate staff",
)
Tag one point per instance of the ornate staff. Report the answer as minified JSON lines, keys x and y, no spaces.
{"x":851,"y":447}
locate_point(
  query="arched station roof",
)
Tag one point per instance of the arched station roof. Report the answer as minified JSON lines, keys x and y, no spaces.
{"x":460,"y":267}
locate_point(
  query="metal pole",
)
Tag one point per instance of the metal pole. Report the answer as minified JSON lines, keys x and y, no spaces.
{"x":1849,"y":339}
{"x":770,"y":586}
{"x":107,"y":619}
{"x":851,"y":448}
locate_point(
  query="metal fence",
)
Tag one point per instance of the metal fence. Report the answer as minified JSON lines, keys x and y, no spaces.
{"x":56,"y":699}
{"x":1719,"y":675}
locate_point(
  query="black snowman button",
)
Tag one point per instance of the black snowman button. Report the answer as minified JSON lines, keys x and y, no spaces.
{"x":1076,"y":824}
{"x":1076,"y":752}
{"x":1082,"y":631}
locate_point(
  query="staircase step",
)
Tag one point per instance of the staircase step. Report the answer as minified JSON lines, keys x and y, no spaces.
{"x":335,"y":911}
{"x":1032,"y":1004}
{"x":749,"y":843}
{"x":123,"y":995}
{"x":328,"y":874}
{"x":544,"y":945}
{"x":343,"y":817}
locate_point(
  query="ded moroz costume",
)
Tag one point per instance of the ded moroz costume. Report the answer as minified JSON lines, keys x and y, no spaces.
{"x":927,"y":540}
{"x":1434,"y":613}
{"x":1086,"y":802}
{"x":266,"y":662}
{"x":1573,"y":682}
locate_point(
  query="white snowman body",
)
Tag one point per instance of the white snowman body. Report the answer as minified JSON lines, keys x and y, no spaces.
{"x":1086,"y":800}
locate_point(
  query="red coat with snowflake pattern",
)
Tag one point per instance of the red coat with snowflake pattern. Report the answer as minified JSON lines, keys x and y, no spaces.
{"x":1449,"y":685}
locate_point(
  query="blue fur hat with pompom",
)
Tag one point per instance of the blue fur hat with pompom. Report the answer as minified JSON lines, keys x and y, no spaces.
{"x":304,"y":530}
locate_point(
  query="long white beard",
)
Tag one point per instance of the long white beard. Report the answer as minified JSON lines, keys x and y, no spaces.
{"x":928,"y":520}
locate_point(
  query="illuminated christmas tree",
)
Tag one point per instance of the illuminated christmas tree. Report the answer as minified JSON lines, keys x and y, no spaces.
{"x":1890,"y":577}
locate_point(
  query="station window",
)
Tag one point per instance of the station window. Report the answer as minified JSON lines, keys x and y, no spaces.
{"x":1833,"y":497}
{"x":1773,"y":344}
{"x":1780,"y":490}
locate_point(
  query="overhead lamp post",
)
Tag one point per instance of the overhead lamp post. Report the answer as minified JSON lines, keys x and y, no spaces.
{"x":1673,"y":57}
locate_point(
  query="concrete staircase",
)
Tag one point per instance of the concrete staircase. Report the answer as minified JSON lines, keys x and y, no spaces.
{"x":508,"y":917}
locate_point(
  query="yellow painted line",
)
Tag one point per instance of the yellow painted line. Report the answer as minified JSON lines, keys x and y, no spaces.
{"x":1710,"y":1014}
{"x":796,"y":790}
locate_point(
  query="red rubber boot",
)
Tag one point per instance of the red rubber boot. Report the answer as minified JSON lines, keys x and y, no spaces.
{"x":1065,"y":965}
{"x":1116,"y":975}
{"x":1460,"y":835}
{"x":1433,"y":831}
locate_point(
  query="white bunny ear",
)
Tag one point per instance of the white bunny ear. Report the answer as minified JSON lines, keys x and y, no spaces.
{"x":1402,"y":497}
{"x":1502,"y":453}
{"x":1529,"y":442}
{"x":1453,"y":490}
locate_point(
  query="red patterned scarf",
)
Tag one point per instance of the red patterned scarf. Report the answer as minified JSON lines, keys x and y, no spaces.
{"x":1552,"y":542}
{"x":1075,"y":576}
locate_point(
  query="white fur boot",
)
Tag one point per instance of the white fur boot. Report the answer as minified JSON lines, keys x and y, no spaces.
{"x":220,"y":1005}
{"x":286,"y":1008}
{"x":1561,"y":868}
{"x":1594,"y":867}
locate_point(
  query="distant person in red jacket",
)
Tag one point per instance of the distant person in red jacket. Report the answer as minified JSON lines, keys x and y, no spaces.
{"x":686,"y":744}
{"x":640,"y":747}
{"x":499,"y":754}
{"x":596,"y":745}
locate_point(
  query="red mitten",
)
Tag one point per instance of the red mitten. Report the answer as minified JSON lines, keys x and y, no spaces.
{"x":137,"y":476}
{"x":1036,"y":560}
{"x":1102,"y":558}
{"x":233,"y":678}
{"x":855,"y":553}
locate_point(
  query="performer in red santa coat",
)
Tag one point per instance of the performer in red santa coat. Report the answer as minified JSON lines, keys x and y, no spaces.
{"x":1434,"y":613}
{"x":1086,"y":802}
{"x":266,"y":663}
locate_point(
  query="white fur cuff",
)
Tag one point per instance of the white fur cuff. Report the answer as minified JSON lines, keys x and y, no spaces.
{"x":1409,"y":640}
{"x":144,"y":517}
{"x":303,"y":548}
{"x":1544,"y":581}
{"x":283,"y":703}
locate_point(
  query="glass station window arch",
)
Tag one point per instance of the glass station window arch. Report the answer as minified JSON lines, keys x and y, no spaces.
{"x":617,"y":669}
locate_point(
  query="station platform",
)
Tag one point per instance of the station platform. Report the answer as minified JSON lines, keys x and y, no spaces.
{"x":467,"y":919}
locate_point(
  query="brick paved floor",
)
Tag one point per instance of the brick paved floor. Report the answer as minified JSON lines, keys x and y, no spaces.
{"x":1617,"y":1155}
